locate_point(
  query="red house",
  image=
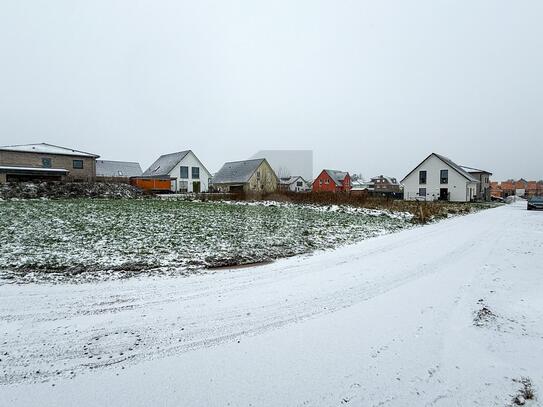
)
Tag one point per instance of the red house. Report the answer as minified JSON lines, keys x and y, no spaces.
{"x":332,"y":181}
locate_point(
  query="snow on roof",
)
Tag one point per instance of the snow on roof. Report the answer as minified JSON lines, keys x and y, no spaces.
{"x":105,"y":168}
{"x":390,"y":180}
{"x":27,"y":169}
{"x":45,"y":148}
{"x":165,"y":163}
{"x":290,"y":180}
{"x":337,"y":176}
{"x":472,"y":170}
{"x":237,"y":171}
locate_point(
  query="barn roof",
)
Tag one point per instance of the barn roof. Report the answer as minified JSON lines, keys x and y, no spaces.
{"x":45,"y":148}
{"x":237,"y":172}
{"x":105,"y":168}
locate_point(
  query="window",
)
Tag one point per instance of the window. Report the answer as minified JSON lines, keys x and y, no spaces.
{"x":196,"y":172}
{"x":422,"y":192}
{"x":258,"y":175}
{"x":320,"y":182}
{"x":327,"y":181}
{"x":184,"y":186}
{"x":183,"y":172}
{"x":444,"y":176}
{"x":46,"y":162}
{"x":299,"y":184}
{"x":78,"y":164}
{"x":422,"y":177}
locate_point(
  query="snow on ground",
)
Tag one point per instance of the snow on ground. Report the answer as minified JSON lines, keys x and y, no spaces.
{"x":449,"y":314}
{"x":89,"y":240}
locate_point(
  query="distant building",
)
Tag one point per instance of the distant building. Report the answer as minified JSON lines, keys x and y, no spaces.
{"x":520,"y":187}
{"x":483,"y":187}
{"x":184,"y":169}
{"x":287,"y":163}
{"x":439,"y":178}
{"x":361,"y":187}
{"x":294,"y":184}
{"x":45,"y":162}
{"x":508,"y":188}
{"x":248,"y":176}
{"x":106,"y":169}
{"x":495,"y":190}
{"x":386,"y":185}
{"x":332,"y":181}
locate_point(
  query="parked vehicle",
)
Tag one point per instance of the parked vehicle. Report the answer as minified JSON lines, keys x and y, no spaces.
{"x":535,"y":202}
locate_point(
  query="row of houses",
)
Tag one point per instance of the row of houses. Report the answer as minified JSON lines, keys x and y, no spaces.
{"x":435,"y":178}
{"x":521,"y":188}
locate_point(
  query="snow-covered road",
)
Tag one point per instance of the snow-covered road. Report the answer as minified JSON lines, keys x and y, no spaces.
{"x":389,"y":321}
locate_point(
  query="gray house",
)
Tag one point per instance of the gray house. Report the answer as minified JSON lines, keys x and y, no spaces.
{"x":256,"y":176}
{"x":483,"y":187}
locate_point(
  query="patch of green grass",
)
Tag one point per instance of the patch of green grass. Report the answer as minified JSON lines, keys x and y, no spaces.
{"x":100,"y":234}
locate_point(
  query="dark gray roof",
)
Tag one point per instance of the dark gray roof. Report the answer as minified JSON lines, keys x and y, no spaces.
{"x":458,"y":168}
{"x":390,"y":180}
{"x":105,"y":168}
{"x":474,"y":170}
{"x":237,"y":172}
{"x":165,"y":163}
{"x":337,"y":176}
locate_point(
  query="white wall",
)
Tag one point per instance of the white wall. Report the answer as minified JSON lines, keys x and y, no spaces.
{"x":304,"y":188}
{"x":190,"y":161}
{"x":459,"y":187}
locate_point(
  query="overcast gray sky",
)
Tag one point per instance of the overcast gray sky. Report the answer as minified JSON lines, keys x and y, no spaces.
{"x":369,"y":86}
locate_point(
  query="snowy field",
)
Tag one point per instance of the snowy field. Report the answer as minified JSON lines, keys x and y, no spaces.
{"x":86,"y":239}
{"x":449,"y":314}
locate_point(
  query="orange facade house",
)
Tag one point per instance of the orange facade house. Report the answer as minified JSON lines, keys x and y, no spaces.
{"x":332,"y":181}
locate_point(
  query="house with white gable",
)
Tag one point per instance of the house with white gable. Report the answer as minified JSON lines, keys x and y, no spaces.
{"x":294,"y":184}
{"x":439,"y":178}
{"x":185,"y":170}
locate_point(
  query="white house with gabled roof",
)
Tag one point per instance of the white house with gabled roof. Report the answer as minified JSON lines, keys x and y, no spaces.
{"x":439,"y":178}
{"x":294,"y":184}
{"x":185,"y":170}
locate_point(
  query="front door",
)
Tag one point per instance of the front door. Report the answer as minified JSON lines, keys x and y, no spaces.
{"x":196,"y":187}
{"x":443,"y":194}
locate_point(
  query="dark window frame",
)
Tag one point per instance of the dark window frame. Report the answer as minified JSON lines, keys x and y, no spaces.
{"x":47,"y":162}
{"x":423,"y":177}
{"x":78,"y":164}
{"x":183,"y":175}
{"x":425,"y":192}
{"x":195,"y":175}
{"x":444,"y":179}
